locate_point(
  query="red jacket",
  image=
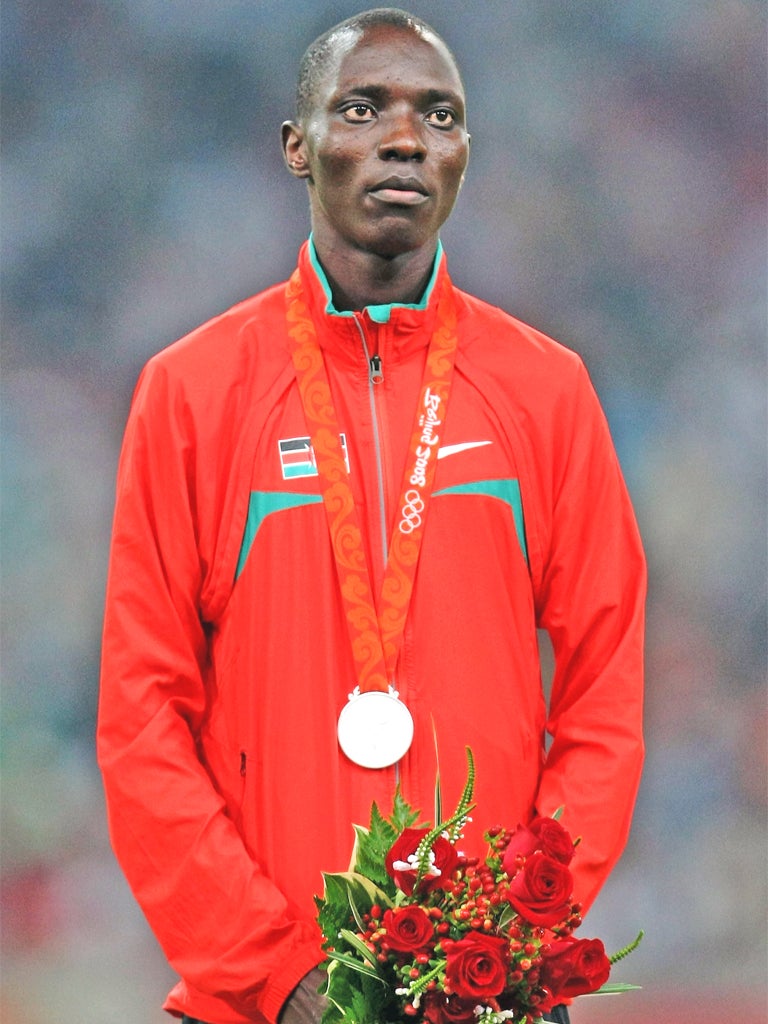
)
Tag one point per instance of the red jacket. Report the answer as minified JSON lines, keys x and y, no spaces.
{"x":226,"y":659}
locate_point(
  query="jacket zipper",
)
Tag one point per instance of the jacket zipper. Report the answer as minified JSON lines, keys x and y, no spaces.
{"x":375,"y":377}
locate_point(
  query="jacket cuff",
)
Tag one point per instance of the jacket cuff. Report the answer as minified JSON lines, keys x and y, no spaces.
{"x":281,"y":984}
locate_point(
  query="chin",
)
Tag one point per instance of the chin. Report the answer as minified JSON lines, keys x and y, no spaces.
{"x":398,"y":241}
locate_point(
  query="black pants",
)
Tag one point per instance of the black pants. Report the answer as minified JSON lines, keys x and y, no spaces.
{"x":558,"y":1016}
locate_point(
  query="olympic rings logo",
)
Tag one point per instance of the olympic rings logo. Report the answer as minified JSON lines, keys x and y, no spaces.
{"x":411,"y":512}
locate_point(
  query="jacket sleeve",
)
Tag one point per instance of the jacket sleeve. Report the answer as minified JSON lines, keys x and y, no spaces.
{"x":223,"y":925}
{"x":590,"y":598}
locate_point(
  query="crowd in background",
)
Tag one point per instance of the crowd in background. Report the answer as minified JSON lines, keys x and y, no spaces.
{"x":615,"y":199}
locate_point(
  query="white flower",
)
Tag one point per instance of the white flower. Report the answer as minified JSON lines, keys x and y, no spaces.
{"x":412,"y":864}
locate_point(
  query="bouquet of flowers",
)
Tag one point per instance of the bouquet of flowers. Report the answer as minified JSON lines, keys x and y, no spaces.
{"x":417,"y":931}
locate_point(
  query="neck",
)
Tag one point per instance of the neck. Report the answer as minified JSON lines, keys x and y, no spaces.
{"x":359,"y":279}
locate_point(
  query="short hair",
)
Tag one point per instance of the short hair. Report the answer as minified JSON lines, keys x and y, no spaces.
{"x":317,"y":56}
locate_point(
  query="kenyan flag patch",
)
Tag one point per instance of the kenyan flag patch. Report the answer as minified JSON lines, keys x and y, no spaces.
{"x":297,"y":458}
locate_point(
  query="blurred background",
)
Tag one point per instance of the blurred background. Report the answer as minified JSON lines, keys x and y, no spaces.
{"x":616,"y":200}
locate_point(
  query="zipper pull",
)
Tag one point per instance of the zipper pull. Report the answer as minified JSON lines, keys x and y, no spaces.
{"x":377,"y":373}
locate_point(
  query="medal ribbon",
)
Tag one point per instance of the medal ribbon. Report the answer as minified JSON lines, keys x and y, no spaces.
{"x":376,"y":640}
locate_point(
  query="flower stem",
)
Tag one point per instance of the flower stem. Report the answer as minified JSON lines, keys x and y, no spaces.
{"x":627,"y":949}
{"x":420,"y":984}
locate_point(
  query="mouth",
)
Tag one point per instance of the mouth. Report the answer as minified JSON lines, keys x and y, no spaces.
{"x":400,"y":191}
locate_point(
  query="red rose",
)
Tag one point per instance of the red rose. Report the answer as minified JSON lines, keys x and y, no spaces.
{"x":573,"y":967}
{"x":442,"y":1009}
{"x":476,"y":966}
{"x":545,"y":834}
{"x":409,"y":929}
{"x":541,"y":891}
{"x":401,"y":861}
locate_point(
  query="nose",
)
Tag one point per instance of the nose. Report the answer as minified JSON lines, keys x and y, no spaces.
{"x":402,"y":137}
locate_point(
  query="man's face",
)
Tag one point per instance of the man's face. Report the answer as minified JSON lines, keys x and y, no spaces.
{"x":385,"y":146}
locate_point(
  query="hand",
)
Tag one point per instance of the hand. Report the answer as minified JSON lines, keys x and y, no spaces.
{"x":305,"y":1005}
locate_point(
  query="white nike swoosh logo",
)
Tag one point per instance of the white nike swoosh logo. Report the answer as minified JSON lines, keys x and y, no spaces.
{"x":452,"y":449}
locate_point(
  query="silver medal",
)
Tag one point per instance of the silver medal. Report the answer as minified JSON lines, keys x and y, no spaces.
{"x":375,"y":728}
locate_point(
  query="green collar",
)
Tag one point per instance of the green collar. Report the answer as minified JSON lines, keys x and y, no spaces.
{"x":381,"y":313}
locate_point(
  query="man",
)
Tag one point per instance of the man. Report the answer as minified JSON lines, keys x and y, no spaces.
{"x":272,"y":552}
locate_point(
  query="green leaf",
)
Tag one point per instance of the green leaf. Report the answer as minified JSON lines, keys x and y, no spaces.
{"x":403,"y":815}
{"x":382,"y":832}
{"x":354,"y":964}
{"x":613,"y":988}
{"x":361,"y":838}
{"x":346,"y":896}
{"x":355,"y":912}
{"x":351,"y":889}
{"x":359,"y":1010}
{"x":371,"y":848}
{"x":332,"y":917}
{"x":355,"y":996}
{"x":373,"y":844}
{"x":438,"y":791}
{"x":360,"y":946}
{"x":346,"y":998}
{"x":438,"y":800}
{"x":506,"y":916}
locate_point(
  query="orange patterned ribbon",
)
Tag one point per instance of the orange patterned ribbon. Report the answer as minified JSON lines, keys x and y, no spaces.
{"x":376,"y":641}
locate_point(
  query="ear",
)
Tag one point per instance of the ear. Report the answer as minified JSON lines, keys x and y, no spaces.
{"x":469,"y":150}
{"x":294,"y":149}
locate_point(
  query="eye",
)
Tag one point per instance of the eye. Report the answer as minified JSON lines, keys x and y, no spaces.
{"x":442,"y":117}
{"x":358,"y":113}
